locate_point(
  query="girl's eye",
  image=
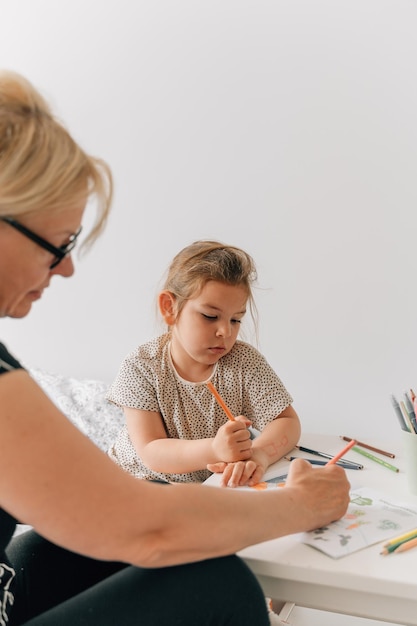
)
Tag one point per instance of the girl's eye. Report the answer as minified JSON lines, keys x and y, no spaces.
{"x":212,"y":318}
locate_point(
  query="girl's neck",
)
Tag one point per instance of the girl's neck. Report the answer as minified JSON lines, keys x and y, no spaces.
{"x":196,"y":373}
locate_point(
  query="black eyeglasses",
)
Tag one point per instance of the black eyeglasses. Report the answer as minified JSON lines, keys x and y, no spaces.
{"x":59,"y":253}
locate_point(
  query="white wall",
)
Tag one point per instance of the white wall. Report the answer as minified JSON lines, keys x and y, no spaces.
{"x":286,"y":127}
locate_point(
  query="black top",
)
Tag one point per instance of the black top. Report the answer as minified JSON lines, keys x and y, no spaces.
{"x":7,"y":522}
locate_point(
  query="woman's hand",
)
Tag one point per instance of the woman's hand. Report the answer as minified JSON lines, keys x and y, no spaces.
{"x":325,"y":492}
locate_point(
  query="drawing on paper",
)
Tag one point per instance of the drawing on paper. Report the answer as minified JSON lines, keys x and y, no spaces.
{"x":371,"y":517}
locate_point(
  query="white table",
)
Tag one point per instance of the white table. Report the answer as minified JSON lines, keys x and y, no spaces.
{"x":365,"y":583}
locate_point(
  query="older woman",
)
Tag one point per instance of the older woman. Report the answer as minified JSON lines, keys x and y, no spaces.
{"x":104,"y":540}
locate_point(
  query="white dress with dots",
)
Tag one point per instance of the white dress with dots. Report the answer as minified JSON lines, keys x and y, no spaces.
{"x":147,"y":380}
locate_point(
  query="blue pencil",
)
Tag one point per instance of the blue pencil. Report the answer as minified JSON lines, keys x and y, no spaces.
{"x":344,"y":464}
{"x":325,"y":455}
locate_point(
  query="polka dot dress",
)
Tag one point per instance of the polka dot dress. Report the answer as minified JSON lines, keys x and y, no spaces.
{"x":148,"y":381}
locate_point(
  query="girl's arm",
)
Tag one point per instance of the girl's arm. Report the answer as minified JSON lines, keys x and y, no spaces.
{"x":53,"y":478}
{"x":165,"y":454}
{"x":277,"y":439}
{"x":279,"y":436}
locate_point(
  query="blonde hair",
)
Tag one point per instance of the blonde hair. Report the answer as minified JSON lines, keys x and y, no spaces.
{"x":42,"y":168}
{"x":194,"y":266}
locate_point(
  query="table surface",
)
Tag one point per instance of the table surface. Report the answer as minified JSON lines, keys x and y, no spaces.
{"x":364,"y":583}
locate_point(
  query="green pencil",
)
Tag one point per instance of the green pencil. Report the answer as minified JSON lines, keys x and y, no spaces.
{"x":376,"y":459}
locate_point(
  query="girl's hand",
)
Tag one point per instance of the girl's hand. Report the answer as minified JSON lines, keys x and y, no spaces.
{"x":242,"y":473}
{"x":232,"y":442}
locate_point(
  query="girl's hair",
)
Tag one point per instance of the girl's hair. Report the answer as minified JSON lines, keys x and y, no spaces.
{"x":42,"y":168}
{"x":203,"y":261}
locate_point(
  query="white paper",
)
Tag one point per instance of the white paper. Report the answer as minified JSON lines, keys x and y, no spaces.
{"x":371,"y":517}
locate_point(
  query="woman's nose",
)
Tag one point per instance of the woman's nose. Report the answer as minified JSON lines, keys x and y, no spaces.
{"x":65,"y":267}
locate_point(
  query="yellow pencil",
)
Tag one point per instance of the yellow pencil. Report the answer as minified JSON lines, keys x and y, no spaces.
{"x":410,"y":535}
{"x":220,"y":401}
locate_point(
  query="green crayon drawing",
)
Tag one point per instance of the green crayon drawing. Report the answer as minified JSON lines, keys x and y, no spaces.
{"x":387,"y":524}
{"x":362,"y":501}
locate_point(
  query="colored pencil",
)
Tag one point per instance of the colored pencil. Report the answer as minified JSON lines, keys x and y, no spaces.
{"x":342,"y":452}
{"x":409,"y":405}
{"x":391,"y":547}
{"x":327,"y":456}
{"x":407,"y":545}
{"x":407,"y":418}
{"x":395,"y":547}
{"x":341,"y":463}
{"x":396,"y":540}
{"x":376,"y":459}
{"x":368,"y":447}
{"x":220,"y":401}
{"x":398,"y":412}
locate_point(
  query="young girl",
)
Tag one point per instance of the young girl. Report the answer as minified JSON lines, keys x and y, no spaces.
{"x":175,"y":429}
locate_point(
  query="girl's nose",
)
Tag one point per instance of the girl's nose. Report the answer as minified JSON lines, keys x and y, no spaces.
{"x":224,"y":330}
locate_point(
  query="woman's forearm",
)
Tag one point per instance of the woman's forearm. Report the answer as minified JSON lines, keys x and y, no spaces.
{"x":206,"y":522}
{"x":74,"y":495}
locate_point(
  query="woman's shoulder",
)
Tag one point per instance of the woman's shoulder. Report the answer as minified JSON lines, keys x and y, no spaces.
{"x":7,"y":361}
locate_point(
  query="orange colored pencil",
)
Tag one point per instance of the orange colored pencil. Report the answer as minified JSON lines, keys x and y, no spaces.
{"x":339,"y":455}
{"x":220,"y":401}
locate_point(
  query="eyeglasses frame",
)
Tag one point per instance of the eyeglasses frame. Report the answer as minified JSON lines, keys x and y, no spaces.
{"x":60,"y":253}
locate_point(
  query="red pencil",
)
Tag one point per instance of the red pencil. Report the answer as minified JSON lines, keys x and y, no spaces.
{"x":339,"y":455}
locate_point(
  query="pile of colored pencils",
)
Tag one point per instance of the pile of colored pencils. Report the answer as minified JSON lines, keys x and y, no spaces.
{"x":402,"y":543}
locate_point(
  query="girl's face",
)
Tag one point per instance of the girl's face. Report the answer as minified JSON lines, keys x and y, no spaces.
{"x":207,"y":329}
{"x":25,"y":266}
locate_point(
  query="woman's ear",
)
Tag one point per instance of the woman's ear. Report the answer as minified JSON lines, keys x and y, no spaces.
{"x":166,"y":303}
